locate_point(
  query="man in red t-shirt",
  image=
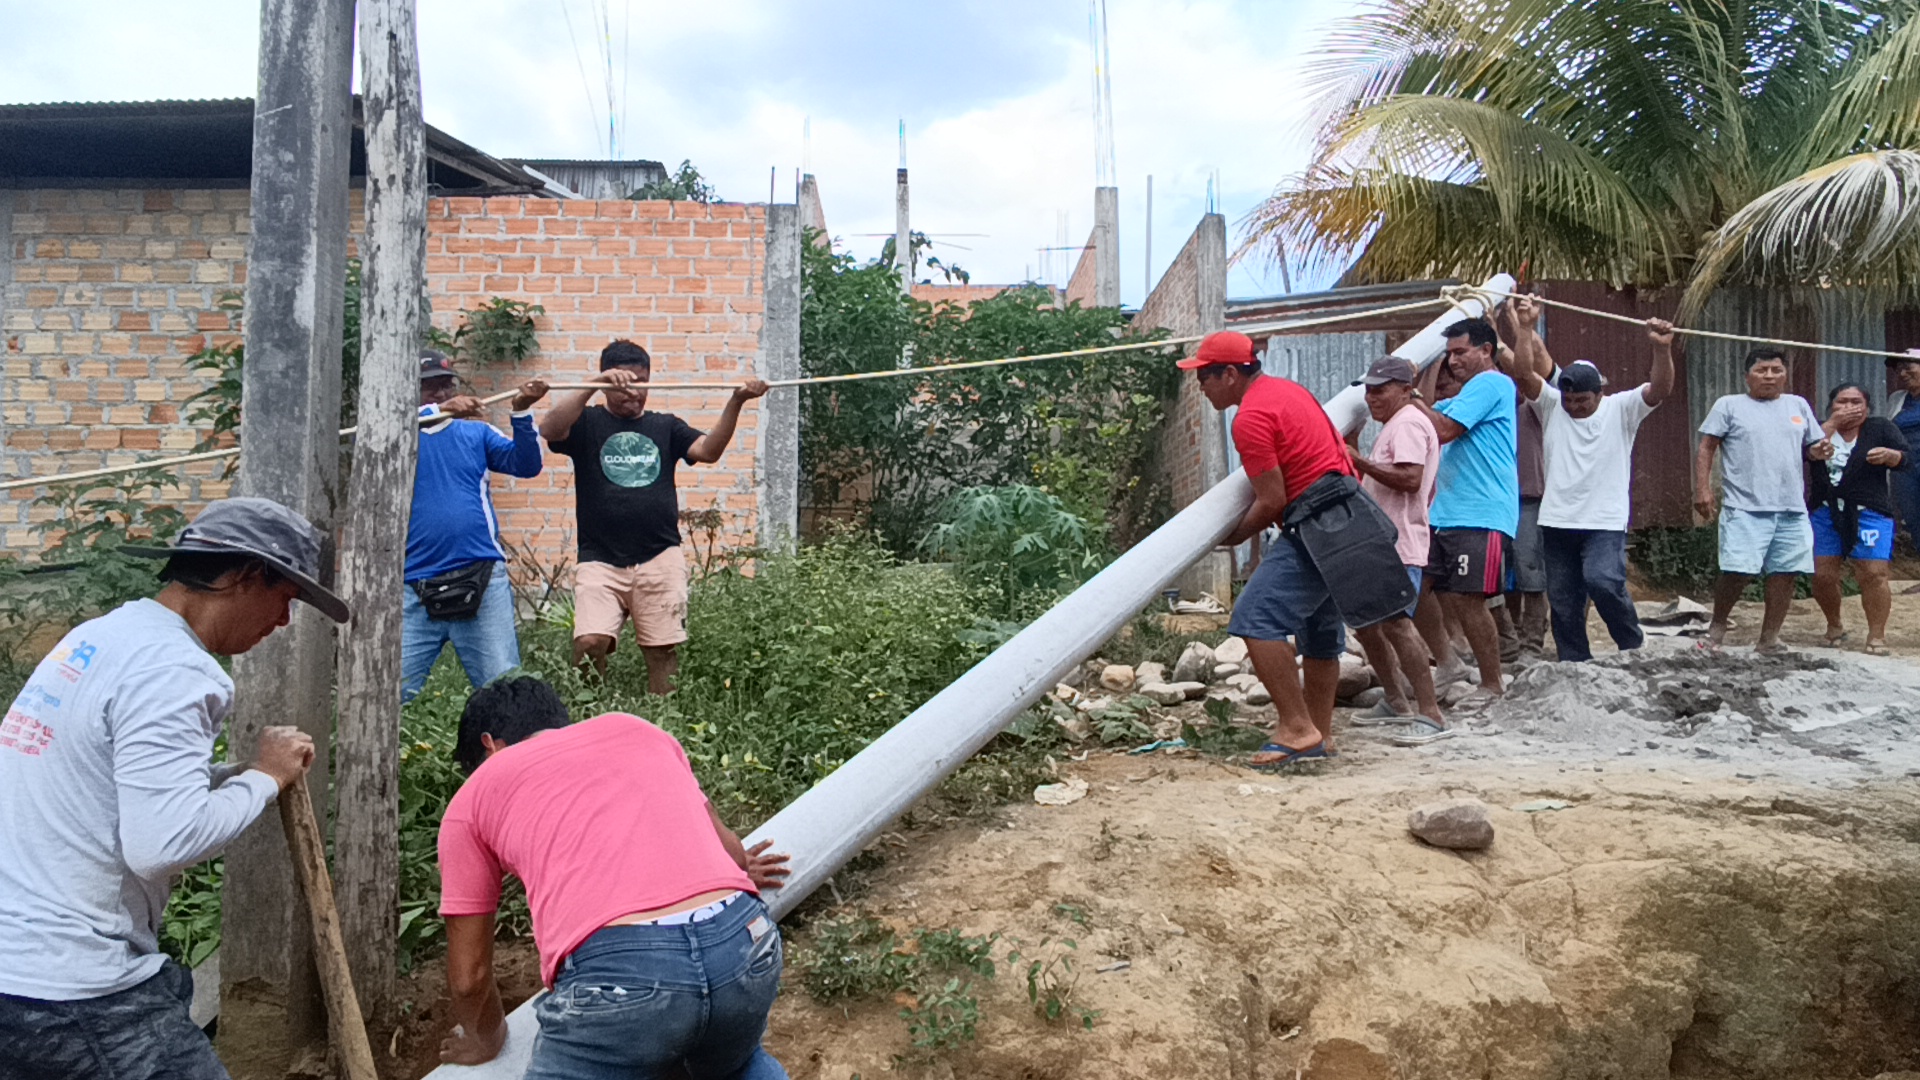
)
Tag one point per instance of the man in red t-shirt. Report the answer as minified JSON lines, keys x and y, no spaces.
{"x":657,"y":953}
{"x":1287,"y":443}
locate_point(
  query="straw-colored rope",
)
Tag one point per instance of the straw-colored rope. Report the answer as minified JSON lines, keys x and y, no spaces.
{"x":815,"y":380}
{"x":1475,"y":292}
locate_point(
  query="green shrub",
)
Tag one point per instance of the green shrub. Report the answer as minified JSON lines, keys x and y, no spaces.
{"x":1018,"y":542}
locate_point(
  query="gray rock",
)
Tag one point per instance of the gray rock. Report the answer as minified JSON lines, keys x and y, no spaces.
{"x":1231,"y":651}
{"x":1368,"y":698}
{"x":1075,"y":727}
{"x":1195,"y":663}
{"x":1076,"y":678}
{"x":1257,"y":694}
{"x":1117,"y":677}
{"x":1162,"y":693}
{"x":1150,"y":672}
{"x":1458,"y":824}
{"x":1221,"y":671}
{"x":1193,"y":690}
{"x":1242,"y":681}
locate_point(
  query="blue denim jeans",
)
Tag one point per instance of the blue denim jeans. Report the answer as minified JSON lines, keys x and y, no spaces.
{"x":140,"y":1033}
{"x":486,"y":644}
{"x":638,"y":1002}
{"x":1583,"y":565}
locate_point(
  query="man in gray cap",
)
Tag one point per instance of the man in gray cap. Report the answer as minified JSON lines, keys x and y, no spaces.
{"x":456,"y":581}
{"x":108,"y":790}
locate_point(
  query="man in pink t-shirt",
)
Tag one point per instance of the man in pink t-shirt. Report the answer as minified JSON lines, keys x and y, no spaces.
{"x":655,"y":948}
{"x":1399,"y":475}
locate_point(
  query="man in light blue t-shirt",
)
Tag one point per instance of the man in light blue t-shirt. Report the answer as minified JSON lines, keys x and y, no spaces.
{"x":1763,"y":436}
{"x":1476,"y":502}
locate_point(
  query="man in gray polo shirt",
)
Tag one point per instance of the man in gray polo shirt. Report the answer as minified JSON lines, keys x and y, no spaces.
{"x":1763,"y":436}
{"x":108,"y":790}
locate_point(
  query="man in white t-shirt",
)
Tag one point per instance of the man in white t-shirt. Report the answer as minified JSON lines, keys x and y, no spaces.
{"x":1587,"y":436}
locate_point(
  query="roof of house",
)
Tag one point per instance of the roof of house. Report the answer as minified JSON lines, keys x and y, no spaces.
{"x":203,"y":143}
{"x":1359,"y":298}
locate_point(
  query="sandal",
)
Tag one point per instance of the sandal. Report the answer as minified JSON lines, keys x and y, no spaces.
{"x":1705,"y":647}
{"x":1422,"y":731}
{"x":1876,"y":648}
{"x":1289,"y":756}
{"x":1381,"y":715}
{"x":1834,"y":640}
{"x":1775,"y":649}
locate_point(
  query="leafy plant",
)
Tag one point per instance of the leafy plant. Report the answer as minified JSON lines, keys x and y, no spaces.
{"x":942,"y":1018}
{"x":854,"y":958}
{"x":1051,"y":981}
{"x":500,"y":331}
{"x":685,"y":183}
{"x":890,"y":452}
{"x":1017,"y":540}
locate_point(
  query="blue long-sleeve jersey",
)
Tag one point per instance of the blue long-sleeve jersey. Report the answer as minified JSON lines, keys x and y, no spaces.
{"x":453,"y":522}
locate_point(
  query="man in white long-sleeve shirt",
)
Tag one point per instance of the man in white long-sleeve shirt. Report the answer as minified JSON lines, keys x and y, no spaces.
{"x":108,"y":790}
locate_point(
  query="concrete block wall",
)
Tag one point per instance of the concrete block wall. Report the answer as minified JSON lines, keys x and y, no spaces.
{"x":104,"y":295}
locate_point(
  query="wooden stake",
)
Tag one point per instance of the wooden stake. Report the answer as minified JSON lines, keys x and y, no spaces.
{"x":346,"y":1027}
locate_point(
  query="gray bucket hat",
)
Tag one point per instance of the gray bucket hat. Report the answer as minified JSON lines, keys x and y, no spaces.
{"x":265,"y":530}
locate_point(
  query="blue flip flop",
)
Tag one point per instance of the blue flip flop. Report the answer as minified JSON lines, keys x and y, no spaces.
{"x":1316,"y":752}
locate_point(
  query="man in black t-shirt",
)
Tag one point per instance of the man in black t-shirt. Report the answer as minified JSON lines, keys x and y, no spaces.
{"x":628,"y":512}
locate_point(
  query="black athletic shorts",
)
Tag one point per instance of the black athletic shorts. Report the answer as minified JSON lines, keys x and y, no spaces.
{"x":1472,"y":562}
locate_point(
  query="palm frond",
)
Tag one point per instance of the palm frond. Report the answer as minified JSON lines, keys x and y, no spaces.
{"x":1853,"y":222}
{"x":1877,"y":105}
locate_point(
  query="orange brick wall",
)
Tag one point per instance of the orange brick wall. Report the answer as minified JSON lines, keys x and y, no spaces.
{"x":111,"y":291}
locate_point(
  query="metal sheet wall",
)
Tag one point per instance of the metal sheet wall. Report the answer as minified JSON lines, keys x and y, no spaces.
{"x":1859,"y":326}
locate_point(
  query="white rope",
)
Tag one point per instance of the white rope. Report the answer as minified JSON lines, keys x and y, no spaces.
{"x":815,"y":380}
{"x":1476,"y":292}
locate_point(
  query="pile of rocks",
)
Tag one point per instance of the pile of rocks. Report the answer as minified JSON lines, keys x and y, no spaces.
{"x":1203,"y":672}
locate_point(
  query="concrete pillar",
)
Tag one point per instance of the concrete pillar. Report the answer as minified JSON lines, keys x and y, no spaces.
{"x":813,"y":213}
{"x":779,"y":443}
{"x":296,"y":267}
{"x":902,"y":232}
{"x":1106,"y":247}
{"x":1213,"y":572}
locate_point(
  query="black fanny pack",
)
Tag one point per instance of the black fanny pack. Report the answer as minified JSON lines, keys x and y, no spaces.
{"x":455,"y":595}
{"x":1351,"y":542}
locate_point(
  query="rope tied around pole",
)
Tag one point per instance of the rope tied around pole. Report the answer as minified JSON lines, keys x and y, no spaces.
{"x":1475,"y":292}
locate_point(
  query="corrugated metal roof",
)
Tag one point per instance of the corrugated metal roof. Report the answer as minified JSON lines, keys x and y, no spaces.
{"x":46,"y":109}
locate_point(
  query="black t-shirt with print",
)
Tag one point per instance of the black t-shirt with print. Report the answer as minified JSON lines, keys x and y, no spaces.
{"x":623,"y":483}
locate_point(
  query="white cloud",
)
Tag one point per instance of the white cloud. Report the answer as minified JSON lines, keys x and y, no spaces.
{"x":997,"y":97}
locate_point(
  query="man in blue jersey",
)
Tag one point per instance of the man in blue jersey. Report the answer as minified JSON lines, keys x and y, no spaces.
{"x":457,"y":588}
{"x":1476,"y":502}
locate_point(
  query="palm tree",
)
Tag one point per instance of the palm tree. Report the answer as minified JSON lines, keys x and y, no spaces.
{"x":1637,"y":142}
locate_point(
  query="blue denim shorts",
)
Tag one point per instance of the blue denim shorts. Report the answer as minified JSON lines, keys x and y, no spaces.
{"x":1287,"y":599}
{"x":1765,"y":542}
{"x":652,"y":999}
{"x":1873,"y":538}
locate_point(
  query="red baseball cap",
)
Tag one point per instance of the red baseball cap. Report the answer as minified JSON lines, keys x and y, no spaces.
{"x":1221,"y":347}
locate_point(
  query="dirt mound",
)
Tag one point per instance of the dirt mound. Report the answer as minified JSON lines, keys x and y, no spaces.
{"x":1703,"y":868}
{"x":1659,"y":925}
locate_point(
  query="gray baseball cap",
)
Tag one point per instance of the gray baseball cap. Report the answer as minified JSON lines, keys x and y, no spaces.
{"x":265,"y":530}
{"x":1388,"y":369}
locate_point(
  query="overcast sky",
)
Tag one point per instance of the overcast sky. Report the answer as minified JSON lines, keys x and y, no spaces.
{"x":997,"y":98}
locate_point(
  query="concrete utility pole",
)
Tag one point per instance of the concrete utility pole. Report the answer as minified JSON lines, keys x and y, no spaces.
{"x":296,"y":269}
{"x":366,"y":851}
{"x":779,"y":442}
{"x":902,"y":233}
{"x":1106,"y":247}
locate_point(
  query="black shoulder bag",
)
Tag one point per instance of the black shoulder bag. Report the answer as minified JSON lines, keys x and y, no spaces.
{"x":455,"y":596}
{"x":1351,"y":542}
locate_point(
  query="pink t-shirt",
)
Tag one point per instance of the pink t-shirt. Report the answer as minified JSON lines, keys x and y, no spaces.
{"x":1407,"y":437}
{"x":597,"y":820}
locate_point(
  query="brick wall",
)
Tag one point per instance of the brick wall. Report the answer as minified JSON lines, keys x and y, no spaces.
{"x":1174,"y":306}
{"x":111,"y":291}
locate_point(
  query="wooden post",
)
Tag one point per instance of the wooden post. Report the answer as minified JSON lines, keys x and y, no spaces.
{"x":380,"y":493}
{"x":309,"y":852}
{"x":296,"y":271}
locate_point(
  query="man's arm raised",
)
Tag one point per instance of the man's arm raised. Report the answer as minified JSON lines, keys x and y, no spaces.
{"x":1660,"y":384}
{"x":707,"y":448}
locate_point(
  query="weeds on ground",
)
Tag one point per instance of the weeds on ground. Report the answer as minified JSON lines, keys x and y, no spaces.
{"x":1052,"y":977}
{"x":930,"y":973}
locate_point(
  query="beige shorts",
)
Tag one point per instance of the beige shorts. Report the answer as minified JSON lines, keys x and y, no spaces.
{"x":653,"y":595}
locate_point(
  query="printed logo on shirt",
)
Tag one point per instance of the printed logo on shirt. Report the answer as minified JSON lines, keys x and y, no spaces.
{"x":19,"y":731}
{"x":1797,"y":421}
{"x":630,"y":459}
{"x":77,"y":661}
